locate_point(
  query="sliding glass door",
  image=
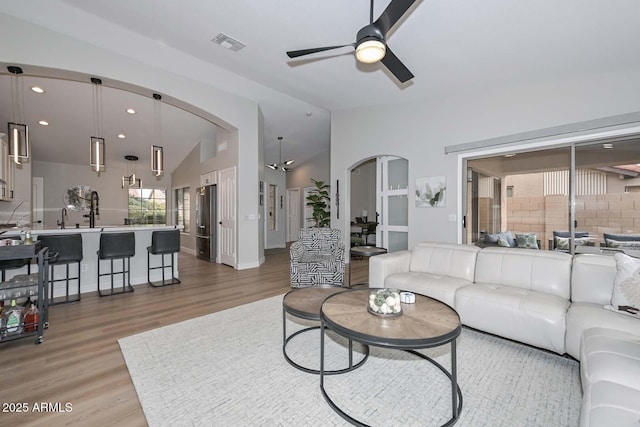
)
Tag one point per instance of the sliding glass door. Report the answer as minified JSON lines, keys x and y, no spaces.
{"x":518,"y":194}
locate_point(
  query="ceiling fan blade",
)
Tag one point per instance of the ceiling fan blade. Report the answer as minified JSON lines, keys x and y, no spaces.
{"x":297,"y":53}
{"x":396,"y":67}
{"x":392,"y":14}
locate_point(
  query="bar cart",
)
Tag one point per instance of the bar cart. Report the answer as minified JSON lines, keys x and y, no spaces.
{"x":26,"y":288}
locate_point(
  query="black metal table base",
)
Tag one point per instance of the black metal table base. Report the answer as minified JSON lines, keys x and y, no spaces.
{"x":286,"y":340}
{"x":456,"y":393}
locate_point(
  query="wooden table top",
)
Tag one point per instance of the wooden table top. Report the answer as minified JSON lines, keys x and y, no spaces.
{"x":427,"y":323}
{"x":306,"y":302}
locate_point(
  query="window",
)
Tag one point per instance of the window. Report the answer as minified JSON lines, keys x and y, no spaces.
{"x":147,"y":206}
{"x":183,"y":208}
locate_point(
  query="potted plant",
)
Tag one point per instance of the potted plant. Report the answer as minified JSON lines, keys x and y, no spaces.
{"x":319,"y":199}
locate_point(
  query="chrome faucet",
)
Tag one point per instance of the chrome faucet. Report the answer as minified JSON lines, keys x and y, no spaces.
{"x":63,"y":215}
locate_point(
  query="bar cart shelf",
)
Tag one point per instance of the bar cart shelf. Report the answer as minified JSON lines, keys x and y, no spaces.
{"x":19,"y":290}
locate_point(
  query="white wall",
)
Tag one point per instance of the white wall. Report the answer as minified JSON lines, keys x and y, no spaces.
{"x":318,"y":168}
{"x":420,"y":131}
{"x":26,"y":44}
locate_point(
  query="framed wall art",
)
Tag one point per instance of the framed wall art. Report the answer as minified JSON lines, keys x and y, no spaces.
{"x":431,"y":192}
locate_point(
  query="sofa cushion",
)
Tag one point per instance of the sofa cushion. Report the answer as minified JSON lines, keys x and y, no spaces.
{"x":442,"y":288}
{"x":610,"y":355}
{"x":583,"y":315}
{"x":524,"y":315}
{"x":608,"y":404}
{"x":540,"y":271}
{"x":592,"y":278}
{"x":626,"y":288}
{"x":444,"y":259}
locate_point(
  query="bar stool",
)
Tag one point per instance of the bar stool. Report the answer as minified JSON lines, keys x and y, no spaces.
{"x":165,"y":242}
{"x":117,"y":246}
{"x":10,"y":264}
{"x":68,"y":248}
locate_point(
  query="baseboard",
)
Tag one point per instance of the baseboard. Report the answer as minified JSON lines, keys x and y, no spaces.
{"x":188,"y":251}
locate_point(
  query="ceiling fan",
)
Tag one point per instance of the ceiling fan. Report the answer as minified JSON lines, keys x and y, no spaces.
{"x":371,"y":43}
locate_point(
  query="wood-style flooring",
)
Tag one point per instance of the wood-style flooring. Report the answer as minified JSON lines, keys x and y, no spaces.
{"x":80,"y":362}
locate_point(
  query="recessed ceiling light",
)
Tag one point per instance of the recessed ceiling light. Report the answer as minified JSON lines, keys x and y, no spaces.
{"x":308,"y":113}
{"x":607,"y":145}
{"x":121,"y":136}
{"x":37,"y":89}
{"x":43,"y":123}
{"x":131,"y":111}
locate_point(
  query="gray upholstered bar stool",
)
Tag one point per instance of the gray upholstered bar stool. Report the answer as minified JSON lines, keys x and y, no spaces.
{"x":115,"y":246}
{"x":10,"y":264}
{"x":68,"y":248}
{"x":164,"y":242}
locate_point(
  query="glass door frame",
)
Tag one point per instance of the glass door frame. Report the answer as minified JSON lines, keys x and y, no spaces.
{"x":570,"y":141}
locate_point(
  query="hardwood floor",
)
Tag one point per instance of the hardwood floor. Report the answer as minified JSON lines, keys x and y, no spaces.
{"x":80,"y":362}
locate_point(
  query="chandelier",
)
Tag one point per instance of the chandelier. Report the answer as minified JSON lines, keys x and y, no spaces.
{"x":282,"y":166}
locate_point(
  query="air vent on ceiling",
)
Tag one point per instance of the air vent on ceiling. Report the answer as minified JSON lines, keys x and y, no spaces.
{"x":228,"y":42}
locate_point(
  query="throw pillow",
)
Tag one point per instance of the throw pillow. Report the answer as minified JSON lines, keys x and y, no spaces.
{"x":630,"y":244}
{"x":562,"y":243}
{"x":527,"y":240}
{"x":626,"y":288}
{"x":490,"y":238}
{"x":508,"y":237}
{"x":585,"y":241}
{"x":503,"y":242}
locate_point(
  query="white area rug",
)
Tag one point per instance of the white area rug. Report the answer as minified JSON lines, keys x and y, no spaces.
{"x":227,"y":369}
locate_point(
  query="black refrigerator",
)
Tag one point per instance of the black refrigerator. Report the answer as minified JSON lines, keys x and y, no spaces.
{"x":206,"y":223}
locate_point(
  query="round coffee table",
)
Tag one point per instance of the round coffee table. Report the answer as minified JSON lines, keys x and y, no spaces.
{"x":427,"y":323}
{"x":305,"y":303}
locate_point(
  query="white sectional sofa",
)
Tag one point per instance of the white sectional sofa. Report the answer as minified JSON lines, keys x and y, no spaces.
{"x":547,"y":299}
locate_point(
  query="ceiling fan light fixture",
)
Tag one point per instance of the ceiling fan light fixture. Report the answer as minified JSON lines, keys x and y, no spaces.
{"x":370,"y":51}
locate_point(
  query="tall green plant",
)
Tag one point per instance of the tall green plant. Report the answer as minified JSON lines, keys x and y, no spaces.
{"x":319,"y":200}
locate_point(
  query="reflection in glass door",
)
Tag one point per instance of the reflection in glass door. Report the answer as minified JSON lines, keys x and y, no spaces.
{"x":392,"y":205}
{"x":607,"y":195}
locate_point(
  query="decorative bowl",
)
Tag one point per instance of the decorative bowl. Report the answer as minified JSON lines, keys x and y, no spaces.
{"x":385,"y":302}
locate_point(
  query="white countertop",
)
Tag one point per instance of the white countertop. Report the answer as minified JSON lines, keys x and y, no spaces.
{"x":86,"y":229}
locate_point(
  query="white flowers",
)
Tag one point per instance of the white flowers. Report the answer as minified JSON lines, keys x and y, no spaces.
{"x":385,"y":301}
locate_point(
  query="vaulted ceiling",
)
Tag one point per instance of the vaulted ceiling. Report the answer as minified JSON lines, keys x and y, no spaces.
{"x":455,"y":48}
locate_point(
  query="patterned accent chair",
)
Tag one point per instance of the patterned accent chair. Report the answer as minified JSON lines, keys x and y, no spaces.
{"x":317,"y":258}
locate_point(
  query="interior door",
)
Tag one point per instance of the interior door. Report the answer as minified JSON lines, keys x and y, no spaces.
{"x":227,"y":216}
{"x":293,"y":214}
{"x":392,"y":203}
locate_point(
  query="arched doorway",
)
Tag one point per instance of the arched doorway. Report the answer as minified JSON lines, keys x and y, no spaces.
{"x":379,"y":205}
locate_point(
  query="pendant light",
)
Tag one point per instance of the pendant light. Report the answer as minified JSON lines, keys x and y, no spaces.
{"x":18,"y":131}
{"x":157,"y":152}
{"x":130,"y":180}
{"x":96,"y":149}
{"x":282,"y":166}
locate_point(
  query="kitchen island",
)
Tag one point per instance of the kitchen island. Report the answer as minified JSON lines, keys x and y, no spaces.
{"x":89,"y":264}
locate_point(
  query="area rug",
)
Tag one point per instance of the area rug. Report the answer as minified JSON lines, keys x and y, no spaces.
{"x":227,"y":368}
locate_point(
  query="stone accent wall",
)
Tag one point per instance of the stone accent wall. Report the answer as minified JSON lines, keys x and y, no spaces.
{"x":597,"y":214}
